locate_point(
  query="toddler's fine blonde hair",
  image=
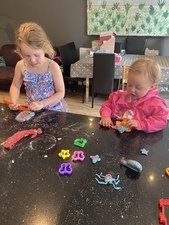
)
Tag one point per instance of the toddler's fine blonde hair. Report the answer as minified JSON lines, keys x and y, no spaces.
{"x":147,"y":67}
{"x":32,"y":34}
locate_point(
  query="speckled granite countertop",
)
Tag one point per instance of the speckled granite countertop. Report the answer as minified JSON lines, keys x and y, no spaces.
{"x":33,"y":193}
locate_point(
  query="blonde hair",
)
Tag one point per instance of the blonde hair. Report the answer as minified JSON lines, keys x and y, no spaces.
{"x":147,"y":67}
{"x":33,"y":35}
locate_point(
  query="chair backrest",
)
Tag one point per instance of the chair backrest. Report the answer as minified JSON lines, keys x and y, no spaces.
{"x":136,"y":45}
{"x":118,"y":47}
{"x":69,"y":56}
{"x":103,"y":73}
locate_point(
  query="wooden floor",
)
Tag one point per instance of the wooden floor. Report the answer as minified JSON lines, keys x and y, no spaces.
{"x":74,"y":101}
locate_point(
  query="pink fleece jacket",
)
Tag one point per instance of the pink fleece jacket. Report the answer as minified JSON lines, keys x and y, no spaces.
{"x":150,"y":111}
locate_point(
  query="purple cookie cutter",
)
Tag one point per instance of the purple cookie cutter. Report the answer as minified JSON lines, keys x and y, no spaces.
{"x":65,"y":169}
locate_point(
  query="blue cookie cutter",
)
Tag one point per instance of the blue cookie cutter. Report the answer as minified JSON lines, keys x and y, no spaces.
{"x":95,"y":158}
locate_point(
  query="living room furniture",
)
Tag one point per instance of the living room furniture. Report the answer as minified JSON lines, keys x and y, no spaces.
{"x":84,"y":68}
{"x":118,"y":47}
{"x":10,"y":57}
{"x":103,"y":74}
{"x":33,"y":192}
{"x":69,"y":56}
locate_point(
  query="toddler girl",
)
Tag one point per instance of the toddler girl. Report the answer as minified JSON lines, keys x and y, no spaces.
{"x":140,"y":105}
{"x":41,"y":76}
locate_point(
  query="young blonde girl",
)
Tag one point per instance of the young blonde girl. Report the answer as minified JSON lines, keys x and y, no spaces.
{"x":140,"y":104}
{"x":41,"y":76}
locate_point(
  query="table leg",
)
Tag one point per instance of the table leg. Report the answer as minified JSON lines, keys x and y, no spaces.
{"x":119,"y":84}
{"x":87,"y":89}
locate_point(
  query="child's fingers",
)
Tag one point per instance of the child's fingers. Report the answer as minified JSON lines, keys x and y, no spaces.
{"x":106,"y":123}
{"x":13,"y":106}
{"x":35,"y":106}
{"x":131,"y":123}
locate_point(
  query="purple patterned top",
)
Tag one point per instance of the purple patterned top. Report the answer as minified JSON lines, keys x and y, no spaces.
{"x":40,"y":86}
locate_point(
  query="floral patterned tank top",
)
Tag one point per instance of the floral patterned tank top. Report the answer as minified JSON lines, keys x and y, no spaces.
{"x":40,"y":86}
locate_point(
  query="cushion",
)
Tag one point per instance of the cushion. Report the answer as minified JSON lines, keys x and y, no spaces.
{"x":9,"y":54}
{"x":2,"y":62}
{"x":6,"y":75}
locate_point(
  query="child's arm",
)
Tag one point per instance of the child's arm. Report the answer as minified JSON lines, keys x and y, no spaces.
{"x":59,"y":87}
{"x":156,"y":122}
{"x":16,"y":86}
{"x":105,"y":112}
{"x":153,"y":124}
{"x":108,"y":108}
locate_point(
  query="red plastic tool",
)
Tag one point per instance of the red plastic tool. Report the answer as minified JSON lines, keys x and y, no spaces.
{"x":20,"y":107}
{"x":163,"y":203}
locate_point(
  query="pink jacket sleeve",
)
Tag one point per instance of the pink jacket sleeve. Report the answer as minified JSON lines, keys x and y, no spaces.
{"x":157,"y":121}
{"x":108,"y":107}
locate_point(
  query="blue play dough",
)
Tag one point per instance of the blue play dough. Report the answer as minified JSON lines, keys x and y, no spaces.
{"x":24,"y":116}
{"x":132,"y":164}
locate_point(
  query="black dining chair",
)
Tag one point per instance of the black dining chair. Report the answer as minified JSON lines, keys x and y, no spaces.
{"x":136,"y":45}
{"x":103,"y":74}
{"x":118,"y":47}
{"x":68,"y":54}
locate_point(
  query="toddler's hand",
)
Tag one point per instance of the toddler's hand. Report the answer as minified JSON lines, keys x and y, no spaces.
{"x":132,"y":124}
{"x":36,"y":106}
{"x":106,"y":122}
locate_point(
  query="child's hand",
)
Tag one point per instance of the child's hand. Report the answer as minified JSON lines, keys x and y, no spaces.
{"x":106,"y":122}
{"x":14,"y":106}
{"x":132,"y":124}
{"x":36,"y":106}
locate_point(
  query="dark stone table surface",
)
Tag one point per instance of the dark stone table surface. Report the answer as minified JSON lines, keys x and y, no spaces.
{"x":33,"y":193}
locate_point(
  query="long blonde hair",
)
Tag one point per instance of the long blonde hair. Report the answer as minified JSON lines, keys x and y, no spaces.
{"x":33,"y":35}
{"x":147,"y":67}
